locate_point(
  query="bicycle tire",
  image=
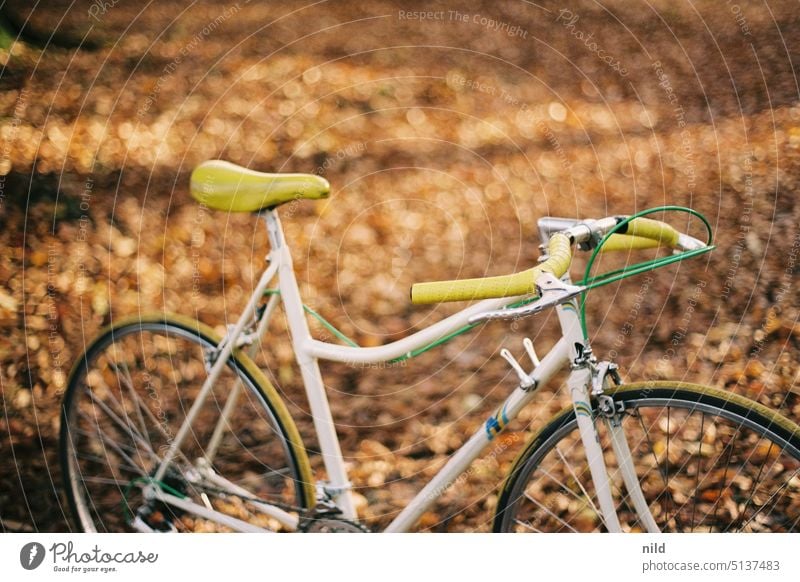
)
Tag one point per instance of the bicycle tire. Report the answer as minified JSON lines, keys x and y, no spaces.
{"x":680,"y":484}
{"x":172,"y":344}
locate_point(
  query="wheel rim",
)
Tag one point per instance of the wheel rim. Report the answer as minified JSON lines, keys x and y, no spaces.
{"x":702,"y":468}
{"x":124,"y":405}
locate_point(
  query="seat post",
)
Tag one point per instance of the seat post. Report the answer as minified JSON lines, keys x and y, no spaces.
{"x":274,"y":230}
{"x":338,"y":486}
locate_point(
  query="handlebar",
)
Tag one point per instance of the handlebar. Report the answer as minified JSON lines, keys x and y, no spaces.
{"x":638,"y":233}
{"x":523,"y":283}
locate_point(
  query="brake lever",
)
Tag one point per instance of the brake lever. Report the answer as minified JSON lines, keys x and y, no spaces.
{"x":552,"y":291}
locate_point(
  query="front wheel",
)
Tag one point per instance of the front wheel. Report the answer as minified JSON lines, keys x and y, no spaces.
{"x":707,"y":461}
{"x":241,"y":467}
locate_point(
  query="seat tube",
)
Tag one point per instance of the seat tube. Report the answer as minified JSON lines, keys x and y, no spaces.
{"x":578,"y":384}
{"x":338,"y":484}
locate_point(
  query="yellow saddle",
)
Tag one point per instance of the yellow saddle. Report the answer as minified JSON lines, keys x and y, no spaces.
{"x":225,"y":186}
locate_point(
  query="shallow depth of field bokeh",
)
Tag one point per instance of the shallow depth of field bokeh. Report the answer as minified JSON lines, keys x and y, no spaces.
{"x":444,"y":139}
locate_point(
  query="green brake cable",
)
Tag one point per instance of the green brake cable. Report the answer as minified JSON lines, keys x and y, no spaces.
{"x":451,"y":335}
{"x":331,"y":328}
{"x":324,"y":322}
{"x":637,"y":268}
{"x":589,"y":282}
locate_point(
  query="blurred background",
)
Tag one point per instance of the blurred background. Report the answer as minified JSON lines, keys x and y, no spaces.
{"x":446,"y":130}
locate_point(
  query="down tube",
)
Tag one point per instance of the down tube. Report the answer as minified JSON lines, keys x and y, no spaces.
{"x":458,"y":463}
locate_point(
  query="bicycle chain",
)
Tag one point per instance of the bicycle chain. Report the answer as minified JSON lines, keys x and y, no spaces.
{"x":324,"y":518}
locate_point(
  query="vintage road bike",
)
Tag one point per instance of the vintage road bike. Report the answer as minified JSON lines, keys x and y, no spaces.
{"x":168,"y":427}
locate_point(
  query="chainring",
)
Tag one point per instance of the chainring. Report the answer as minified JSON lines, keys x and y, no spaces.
{"x":331,"y":525}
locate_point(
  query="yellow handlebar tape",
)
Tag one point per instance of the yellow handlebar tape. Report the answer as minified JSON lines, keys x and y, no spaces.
{"x":524,"y":283}
{"x":654,"y":230}
{"x":626,"y":242}
{"x":641,"y":233}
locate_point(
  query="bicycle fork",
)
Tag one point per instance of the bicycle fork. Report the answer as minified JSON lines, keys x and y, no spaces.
{"x":579,"y":383}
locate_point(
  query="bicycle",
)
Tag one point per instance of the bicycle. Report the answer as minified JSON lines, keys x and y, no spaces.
{"x":167,"y":427}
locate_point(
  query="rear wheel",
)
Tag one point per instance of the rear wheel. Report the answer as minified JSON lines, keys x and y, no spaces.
{"x":707,"y":461}
{"x":126,"y":399}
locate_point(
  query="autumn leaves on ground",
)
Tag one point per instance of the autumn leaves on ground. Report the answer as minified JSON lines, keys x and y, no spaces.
{"x":445,"y":137}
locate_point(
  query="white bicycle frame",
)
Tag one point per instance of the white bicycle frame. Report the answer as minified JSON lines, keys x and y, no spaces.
{"x":308,"y":351}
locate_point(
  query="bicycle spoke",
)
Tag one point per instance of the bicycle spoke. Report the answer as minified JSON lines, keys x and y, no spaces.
{"x":699,"y":461}
{"x":656,"y":464}
{"x":578,"y":481}
{"x":106,"y":439}
{"x":128,"y":381}
{"x":667,"y":494}
{"x":756,"y":482}
{"x":150,"y":414}
{"x":527,"y":526}
{"x":550,"y":513}
{"x":795,"y":523}
{"x":720,"y":468}
{"x":652,"y":449}
{"x":102,"y":461}
{"x":272,"y":473}
{"x":105,"y":481}
{"x":781,"y":488}
{"x":122,"y":424}
{"x":89,"y":434}
{"x":786,"y":482}
{"x":126,"y":428}
{"x":725,"y":475}
{"x":164,"y":433}
{"x":115,"y":402}
{"x":585,"y":502}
